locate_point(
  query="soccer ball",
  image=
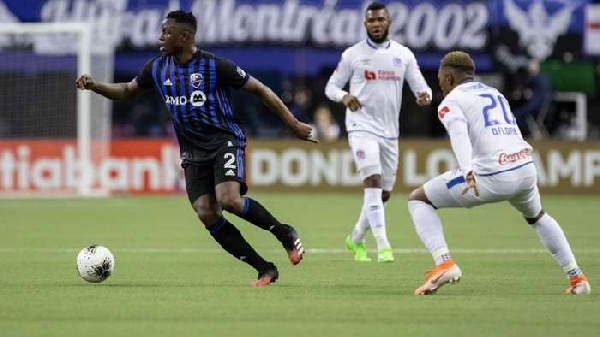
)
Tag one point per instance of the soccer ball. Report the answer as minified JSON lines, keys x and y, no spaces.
{"x":95,"y":263}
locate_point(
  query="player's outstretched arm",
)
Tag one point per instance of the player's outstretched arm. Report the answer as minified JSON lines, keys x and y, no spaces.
{"x":114,"y":91}
{"x":268,"y":97}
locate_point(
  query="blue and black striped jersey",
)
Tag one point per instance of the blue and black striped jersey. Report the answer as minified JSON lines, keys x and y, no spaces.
{"x":196,"y":95}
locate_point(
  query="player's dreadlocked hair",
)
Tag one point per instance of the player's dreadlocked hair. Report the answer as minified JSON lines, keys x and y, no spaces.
{"x":184,"y":17}
{"x":375,"y":6}
{"x":459,"y":60}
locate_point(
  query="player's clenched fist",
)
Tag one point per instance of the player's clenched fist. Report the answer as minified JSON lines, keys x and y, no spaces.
{"x":85,"y":82}
{"x":423,"y":99}
{"x":351,"y":102}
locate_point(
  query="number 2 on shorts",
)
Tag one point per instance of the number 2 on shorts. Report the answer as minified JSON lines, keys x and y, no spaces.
{"x":230,"y":164}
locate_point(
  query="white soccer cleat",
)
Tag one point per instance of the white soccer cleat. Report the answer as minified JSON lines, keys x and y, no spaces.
{"x":447,"y":272}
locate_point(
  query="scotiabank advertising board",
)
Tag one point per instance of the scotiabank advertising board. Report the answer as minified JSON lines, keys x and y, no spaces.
{"x":152,"y":166}
{"x":49,"y":166}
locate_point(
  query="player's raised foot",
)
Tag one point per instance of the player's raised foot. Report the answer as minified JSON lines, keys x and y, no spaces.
{"x":266,"y":276}
{"x":359,"y":249}
{"x":447,"y":272}
{"x":292,"y":244}
{"x":578,"y":285}
{"x":385,"y":255}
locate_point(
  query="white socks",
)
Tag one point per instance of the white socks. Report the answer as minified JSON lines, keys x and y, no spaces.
{"x":554,"y":239}
{"x":361,"y":227}
{"x":373,"y":208}
{"x":429,"y":228}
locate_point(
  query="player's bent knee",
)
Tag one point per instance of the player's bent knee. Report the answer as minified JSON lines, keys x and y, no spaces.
{"x":208,"y":216}
{"x":373,"y":181}
{"x":418,"y":195}
{"x":208,"y":213}
{"x":231,"y":203}
{"x":532,"y":221}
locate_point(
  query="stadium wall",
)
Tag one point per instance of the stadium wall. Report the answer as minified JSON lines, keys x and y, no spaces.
{"x":152,"y":166}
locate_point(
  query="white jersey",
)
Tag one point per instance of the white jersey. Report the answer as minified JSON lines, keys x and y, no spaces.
{"x":376,"y":74}
{"x":498,"y":145}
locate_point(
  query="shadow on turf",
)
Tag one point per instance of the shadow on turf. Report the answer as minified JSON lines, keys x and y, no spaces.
{"x":156,"y":285}
{"x":115,"y":285}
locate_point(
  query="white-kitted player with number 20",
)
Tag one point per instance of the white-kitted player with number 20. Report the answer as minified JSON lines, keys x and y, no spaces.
{"x":495,"y":165}
{"x":376,"y":69}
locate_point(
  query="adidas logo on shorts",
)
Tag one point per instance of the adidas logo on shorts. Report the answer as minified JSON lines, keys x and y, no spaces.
{"x":230,"y":173}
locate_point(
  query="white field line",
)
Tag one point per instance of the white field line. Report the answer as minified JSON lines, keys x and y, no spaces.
{"x":325,"y":251}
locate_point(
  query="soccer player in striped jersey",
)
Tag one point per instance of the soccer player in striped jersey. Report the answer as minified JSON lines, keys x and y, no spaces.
{"x":495,"y":165}
{"x":194,"y":86}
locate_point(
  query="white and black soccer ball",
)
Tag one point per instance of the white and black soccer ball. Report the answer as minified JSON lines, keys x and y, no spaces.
{"x":95,"y":263}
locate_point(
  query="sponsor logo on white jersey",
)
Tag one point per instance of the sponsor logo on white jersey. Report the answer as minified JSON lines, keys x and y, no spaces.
{"x":508,"y":158}
{"x":382,"y":75}
{"x":443,"y":111}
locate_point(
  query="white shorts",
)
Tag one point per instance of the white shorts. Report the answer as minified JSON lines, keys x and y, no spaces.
{"x":375,"y":155}
{"x":518,"y":187}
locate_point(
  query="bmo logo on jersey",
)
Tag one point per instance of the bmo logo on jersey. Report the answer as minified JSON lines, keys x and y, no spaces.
{"x":197,"y":98}
{"x":177,"y":101}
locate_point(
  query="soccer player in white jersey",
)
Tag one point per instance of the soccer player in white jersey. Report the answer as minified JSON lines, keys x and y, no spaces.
{"x":376,"y":68}
{"x":495,"y":165}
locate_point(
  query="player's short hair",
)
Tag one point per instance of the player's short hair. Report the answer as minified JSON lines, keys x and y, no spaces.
{"x":375,"y":6}
{"x":184,"y":17}
{"x":459,"y":60}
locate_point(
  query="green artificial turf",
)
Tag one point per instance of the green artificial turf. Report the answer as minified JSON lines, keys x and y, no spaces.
{"x":172,"y":279}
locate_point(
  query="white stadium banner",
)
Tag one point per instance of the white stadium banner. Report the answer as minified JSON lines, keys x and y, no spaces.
{"x":592,"y":30}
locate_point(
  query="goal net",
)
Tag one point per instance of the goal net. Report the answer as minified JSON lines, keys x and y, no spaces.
{"x":53,"y":137}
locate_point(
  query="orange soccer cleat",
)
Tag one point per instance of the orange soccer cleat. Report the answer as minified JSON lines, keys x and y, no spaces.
{"x":447,"y":272}
{"x":578,"y":285}
{"x":266,"y":276}
{"x":292,"y":244}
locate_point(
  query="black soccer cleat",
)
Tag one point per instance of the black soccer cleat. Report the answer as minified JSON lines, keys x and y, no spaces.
{"x":292,"y":244}
{"x":266,"y":276}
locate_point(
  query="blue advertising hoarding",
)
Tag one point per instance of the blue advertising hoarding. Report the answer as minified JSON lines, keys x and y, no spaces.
{"x":303,"y":36}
